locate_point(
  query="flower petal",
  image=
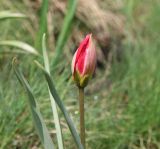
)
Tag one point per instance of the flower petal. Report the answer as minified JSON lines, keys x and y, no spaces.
{"x":80,"y":54}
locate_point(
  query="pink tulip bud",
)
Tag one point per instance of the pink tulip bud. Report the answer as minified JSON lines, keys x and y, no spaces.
{"x":84,"y":62}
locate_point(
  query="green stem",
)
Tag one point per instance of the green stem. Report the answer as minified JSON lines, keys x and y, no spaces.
{"x":82,"y":120}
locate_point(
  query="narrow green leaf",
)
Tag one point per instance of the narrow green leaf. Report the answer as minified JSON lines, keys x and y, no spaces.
{"x":61,"y":106}
{"x":8,"y":14}
{"x":64,"y":34}
{"x":37,"y":117}
{"x":42,"y":23}
{"x":53,"y":104}
{"x":21,"y":45}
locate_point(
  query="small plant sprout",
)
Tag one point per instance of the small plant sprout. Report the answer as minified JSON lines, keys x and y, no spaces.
{"x":83,"y":67}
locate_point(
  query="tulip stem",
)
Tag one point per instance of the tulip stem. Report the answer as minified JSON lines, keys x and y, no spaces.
{"x":81,"y":111}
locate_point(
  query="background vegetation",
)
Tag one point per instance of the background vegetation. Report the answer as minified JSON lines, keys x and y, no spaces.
{"x":122,"y":100}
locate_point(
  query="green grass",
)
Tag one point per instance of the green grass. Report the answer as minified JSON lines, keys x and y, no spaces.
{"x":124,"y":115}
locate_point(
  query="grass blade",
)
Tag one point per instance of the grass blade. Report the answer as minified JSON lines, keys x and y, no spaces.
{"x":53,"y":104}
{"x":21,"y":45}
{"x":62,"y":107}
{"x":37,"y":117}
{"x":8,"y":15}
{"x":43,"y":23}
{"x":62,"y":39}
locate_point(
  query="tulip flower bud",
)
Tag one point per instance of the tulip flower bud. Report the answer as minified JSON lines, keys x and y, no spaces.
{"x":84,"y":62}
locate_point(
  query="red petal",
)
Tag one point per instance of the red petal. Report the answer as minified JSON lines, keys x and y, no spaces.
{"x":81,"y":52}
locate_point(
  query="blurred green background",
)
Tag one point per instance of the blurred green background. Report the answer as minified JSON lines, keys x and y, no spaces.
{"x":123,"y":98}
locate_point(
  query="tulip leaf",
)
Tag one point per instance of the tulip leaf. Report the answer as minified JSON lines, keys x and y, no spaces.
{"x":36,"y":114}
{"x":8,"y":14}
{"x":53,"y":104}
{"x":61,"y":106}
{"x":21,"y":45}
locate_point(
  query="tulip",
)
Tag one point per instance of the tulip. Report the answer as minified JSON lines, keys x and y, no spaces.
{"x":84,"y":62}
{"x":83,"y":67}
